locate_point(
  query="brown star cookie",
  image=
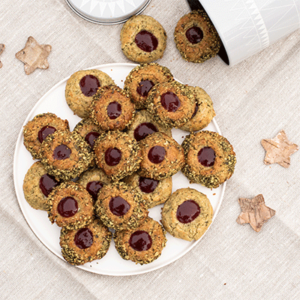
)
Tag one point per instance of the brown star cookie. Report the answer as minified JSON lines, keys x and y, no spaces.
{"x":279,"y":150}
{"x":2,"y":47}
{"x":34,"y":55}
{"x":254,"y":212}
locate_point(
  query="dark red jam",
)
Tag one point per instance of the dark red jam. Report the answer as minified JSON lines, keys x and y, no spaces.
{"x":61,"y":152}
{"x":144,"y":87}
{"x":91,"y":137}
{"x":157,"y":154}
{"x":119,"y":206}
{"x":44,"y":132}
{"x":113,"y":156}
{"x":146,"y":41}
{"x":47,"y":183}
{"x":206,"y":157}
{"x":170,"y":101}
{"x":144,"y":130}
{"x":147,"y":185}
{"x":196,"y":110}
{"x":93,"y":188}
{"x":140,"y":241}
{"x":89,"y":85}
{"x":188,"y":211}
{"x":83,"y":238}
{"x":114,"y":110}
{"x":67,"y":207}
{"x":194,"y":35}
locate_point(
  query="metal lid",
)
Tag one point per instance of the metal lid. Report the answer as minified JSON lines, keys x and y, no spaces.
{"x":107,"y":12}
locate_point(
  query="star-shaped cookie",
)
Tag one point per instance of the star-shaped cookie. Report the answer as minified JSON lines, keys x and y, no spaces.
{"x":279,"y":150}
{"x":34,"y":55}
{"x":254,"y":212}
{"x":2,"y":47}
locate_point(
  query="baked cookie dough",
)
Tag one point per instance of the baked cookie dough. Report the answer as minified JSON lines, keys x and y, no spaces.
{"x":187,"y":214}
{"x":36,"y":130}
{"x":141,"y":80}
{"x":120,"y":206}
{"x":81,"y":87}
{"x":142,"y":245}
{"x":38,"y":185}
{"x":154,"y":192}
{"x":85,"y":244}
{"x":65,"y":155}
{"x":162,"y":156}
{"x":210,"y":159}
{"x":143,"y":39}
{"x":172,"y":104}
{"x":112,"y":109}
{"x":196,"y":38}
{"x":117,"y":154}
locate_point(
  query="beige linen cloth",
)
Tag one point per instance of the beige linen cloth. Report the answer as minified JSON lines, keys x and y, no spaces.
{"x":253,"y":100}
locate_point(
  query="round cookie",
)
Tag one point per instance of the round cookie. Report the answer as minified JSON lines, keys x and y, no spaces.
{"x":85,"y":244}
{"x":144,"y":124}
{"x":187,"y":214}
{"x":143,"y":39}
{"x":162,"y":156}
{"x":117,"y":154}
{"x":70,"y":206}
{"x":65,"y":155}
{"x":81,"y":87}
{"x":203,"y":114}
{"x":36,"y":130}
{"x":38,"y":185}
{"x":120,"y":206}
{"x":112,"y":109}
{"x":196,"y":38}
{"x":154,"y":192}
{"x":172,"y":104}
{"x":141,"y":245}
{"x":210,"y":159}
{"x":141,"y":80}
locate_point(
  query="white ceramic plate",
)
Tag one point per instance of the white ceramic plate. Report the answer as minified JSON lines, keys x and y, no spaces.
{"x":112,"y":264}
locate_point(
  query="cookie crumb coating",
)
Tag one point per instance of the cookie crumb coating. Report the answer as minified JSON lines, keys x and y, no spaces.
{"x":152,"y":72}
{"x":77,"y":256}
{"x":77,"y":101}
{"x":93,"y":175}
{"x":129,"y":31}
{"x":32,"y":128}
{"x":86,"y":126}
{"x":157,"y":234}
{"x":187,"y":231}
{"x":207,"y":48}
{"x":224,"y":163}
{"x":132,"y":218}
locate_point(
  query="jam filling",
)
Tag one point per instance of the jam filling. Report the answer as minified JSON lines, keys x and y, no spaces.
{"x":89,"y":85}
{"x":140,"y":241}
{"x":47,"y":183}
{"x":119,"y":206}
{"x":148,"y":185}
{"x":93,"y":188}
{"x":91,"y":137}
{"x":114,"y":110}
{"x":146,"y":41}
{"x":188,"y":211}
{"x":144,"y":130}
{"x":206,"y":157}
{"x":170,"y":102}
{"x":196,"y":110}
{"x":67,"y":207}
{"x":157,"y":154}
{"x":83,"y":238}
{"x":113,"y":156}
{"x":44,"y":132}
{"x":144,"y":87}
{"x":194,"y":35}
{"x":62,"y":152}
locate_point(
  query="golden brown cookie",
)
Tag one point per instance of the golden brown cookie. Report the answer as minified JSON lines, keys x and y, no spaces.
{"x":143,"y":39}
{"x":187,"y":214}
{"x":210,"y":159}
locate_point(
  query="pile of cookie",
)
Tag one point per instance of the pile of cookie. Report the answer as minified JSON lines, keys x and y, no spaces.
{"x":119,"y":160}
